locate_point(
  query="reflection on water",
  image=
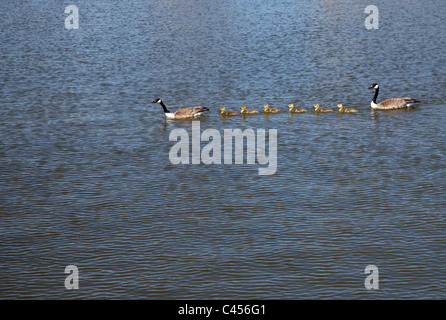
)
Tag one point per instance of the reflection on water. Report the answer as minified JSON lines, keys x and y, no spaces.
{"x":86,"y":177}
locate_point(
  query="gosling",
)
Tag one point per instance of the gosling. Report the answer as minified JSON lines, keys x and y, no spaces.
{"x":244,"y":111}
{"x":227,"y":113}
{"x":296,"y":110}
{"x":317,"y":109}
{"x":346,"y":110}
{"x":270,"y":110}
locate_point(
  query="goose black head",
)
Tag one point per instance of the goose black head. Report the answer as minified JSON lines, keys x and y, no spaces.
{"x":374,"y":86}
{"x":158,"y":100}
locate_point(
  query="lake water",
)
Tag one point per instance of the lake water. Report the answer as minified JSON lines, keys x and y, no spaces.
{"x":86,"y":179}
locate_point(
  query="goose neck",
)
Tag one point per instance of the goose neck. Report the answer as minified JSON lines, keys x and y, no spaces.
{"x":376,"y":95}
{"x":164,"y":107}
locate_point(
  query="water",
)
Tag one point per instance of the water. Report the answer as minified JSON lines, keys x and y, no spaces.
{"x":86,"y":178}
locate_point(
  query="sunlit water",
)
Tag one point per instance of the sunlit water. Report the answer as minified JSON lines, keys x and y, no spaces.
{"x":85,"y":172}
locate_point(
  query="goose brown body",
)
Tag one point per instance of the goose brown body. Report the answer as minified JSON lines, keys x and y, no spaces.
{"x":183,"y":113}
{"x":390,"y":104}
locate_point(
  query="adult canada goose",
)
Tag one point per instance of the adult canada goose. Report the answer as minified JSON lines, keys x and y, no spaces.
{"x":244,"y":111}
{"x":227,"y":113}
{"x":270,"y":110}
{"x":296,"y":110}
{"x":318,"y":109}
{"x":389,"y":104}
{"x":182,"y":113}
{"x":346,"y":110}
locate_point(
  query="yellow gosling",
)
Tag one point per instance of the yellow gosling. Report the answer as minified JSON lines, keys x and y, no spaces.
{"x":296,"y":110}
{"x":270,"y":110}
{"x":227,"y":113}
{"x":318,"y":109}
{"x":244,"y":111}
{"x":346,"y":110}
